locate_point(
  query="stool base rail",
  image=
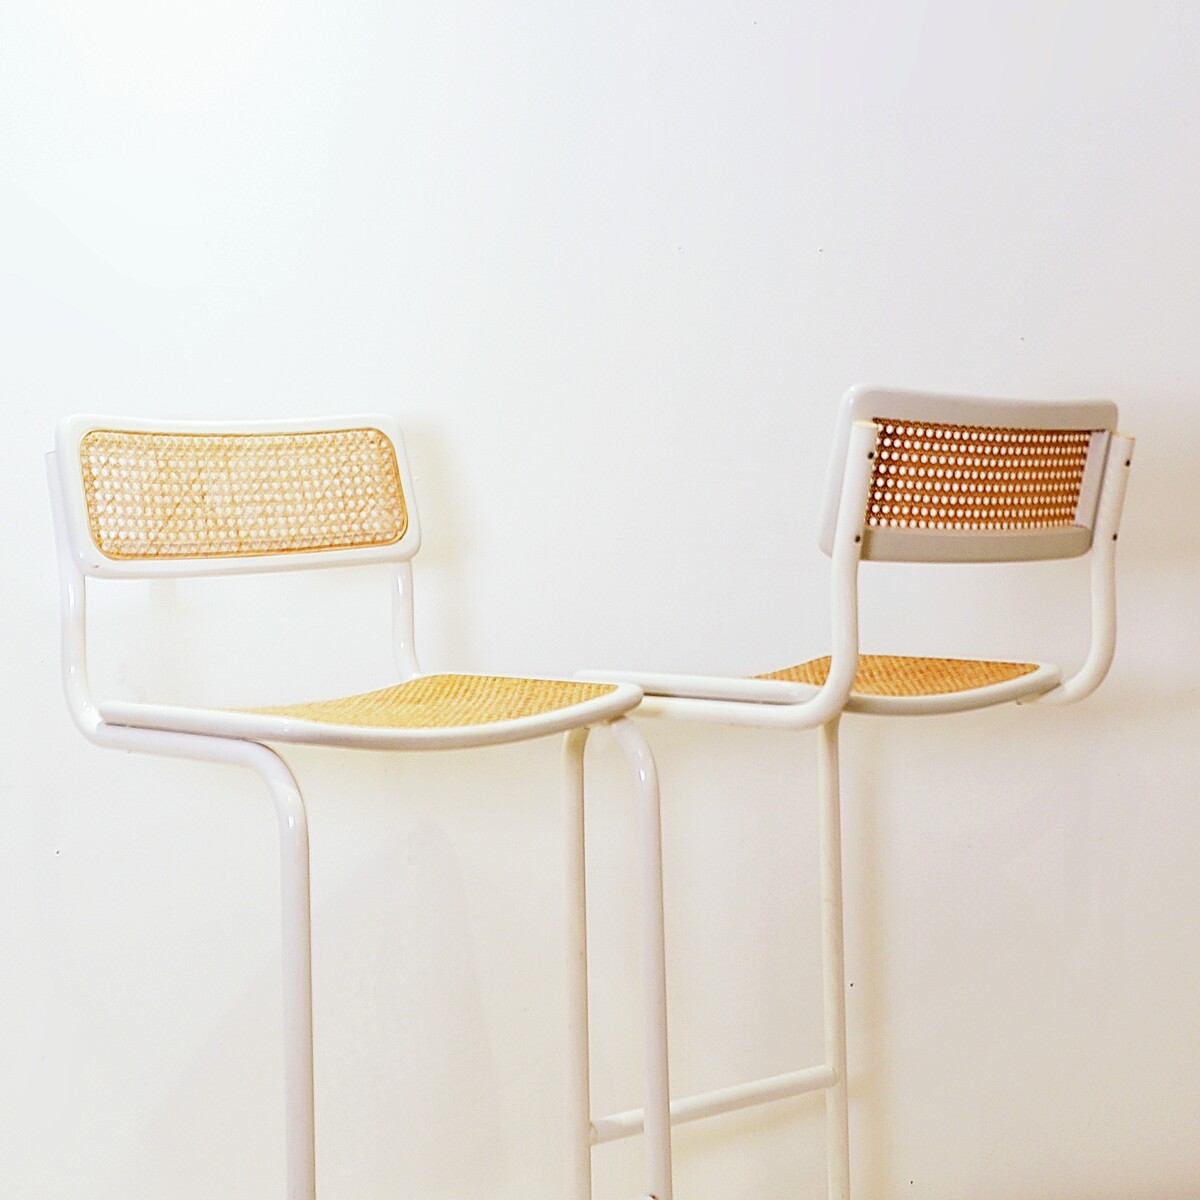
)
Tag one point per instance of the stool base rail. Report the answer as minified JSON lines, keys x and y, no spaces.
{"x":719,"y":1101}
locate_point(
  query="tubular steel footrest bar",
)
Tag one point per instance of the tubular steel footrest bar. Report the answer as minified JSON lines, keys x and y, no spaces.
{"x":722,"y":1100}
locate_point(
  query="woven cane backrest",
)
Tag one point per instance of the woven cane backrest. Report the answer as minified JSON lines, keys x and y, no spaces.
{"x":962,"y":479}
{"x":190,"y":500}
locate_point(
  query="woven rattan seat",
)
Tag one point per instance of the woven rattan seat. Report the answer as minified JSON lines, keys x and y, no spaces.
{"x":907,"y":675}
{"x":444,"y":701}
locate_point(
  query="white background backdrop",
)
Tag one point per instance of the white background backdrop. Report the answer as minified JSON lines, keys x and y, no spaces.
{"x":613,"y":266}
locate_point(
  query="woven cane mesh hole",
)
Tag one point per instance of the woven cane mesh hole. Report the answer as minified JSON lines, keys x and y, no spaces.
{"x":187,"y":495}
{"x":968,"y":477}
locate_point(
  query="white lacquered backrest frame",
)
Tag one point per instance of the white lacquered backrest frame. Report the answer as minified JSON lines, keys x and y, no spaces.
{"x":864,"y":403}
{"x":90,"y":559}
{"x":78,"y":555}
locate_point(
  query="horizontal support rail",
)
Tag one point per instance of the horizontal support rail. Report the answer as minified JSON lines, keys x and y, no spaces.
{"x":722,"y":1100}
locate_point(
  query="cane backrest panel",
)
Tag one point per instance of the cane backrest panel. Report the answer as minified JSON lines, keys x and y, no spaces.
{"x":964,"y":477}
{"x":164,"y":496}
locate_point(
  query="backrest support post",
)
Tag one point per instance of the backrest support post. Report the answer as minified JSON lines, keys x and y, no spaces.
{"x":404,"y":644}
{"x":1107,"y":528}
{"x":861,"y":449}
{"x":72,"y":616}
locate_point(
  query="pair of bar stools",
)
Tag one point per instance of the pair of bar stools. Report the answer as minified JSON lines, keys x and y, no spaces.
{"x":914,"y":477}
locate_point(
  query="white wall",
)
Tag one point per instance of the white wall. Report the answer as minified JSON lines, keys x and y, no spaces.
{"x":613,"y":265}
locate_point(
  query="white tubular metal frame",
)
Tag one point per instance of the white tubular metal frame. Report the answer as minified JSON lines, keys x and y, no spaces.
{"x":404,"y":640}
{"x":660,"y":1114}
{"x":155,"y":730}
{"x":833,"y":957}
{"x":753,"y":702}
{"x":654,"y":1120}
{"x":1106,"y":530}
{"x":774,"y":704}
{"x":292,"y":822}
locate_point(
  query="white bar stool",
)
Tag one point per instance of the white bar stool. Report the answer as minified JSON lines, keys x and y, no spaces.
{"x":141,"y":500}
{"x":915,"y":477}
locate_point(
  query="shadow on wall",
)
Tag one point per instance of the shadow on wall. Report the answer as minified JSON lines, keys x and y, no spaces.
{"x":401,"y":917}
{"x":1158,"y":567}
{"x":447,"y":537}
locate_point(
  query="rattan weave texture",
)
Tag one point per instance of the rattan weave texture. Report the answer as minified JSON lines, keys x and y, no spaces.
{"x":193,"y":495}
{"x":444,"y":701}
{"x":904,"y":675}
{"x":967,"y":477}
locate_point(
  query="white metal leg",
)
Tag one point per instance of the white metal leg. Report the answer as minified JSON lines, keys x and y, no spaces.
{"x":578,"y":1099}
{"x":834,"y":959}
{"x":830,"y":1076}
{"x":654,"y":965}
{"x":655,"y":1119}
{"x":300,"y":1126}
{"x":299,"y":1123}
